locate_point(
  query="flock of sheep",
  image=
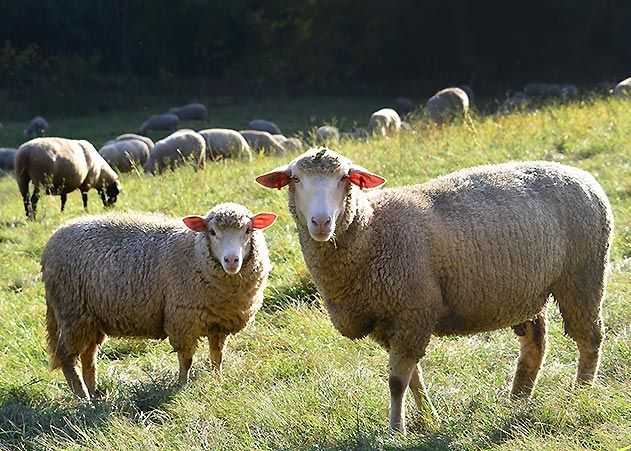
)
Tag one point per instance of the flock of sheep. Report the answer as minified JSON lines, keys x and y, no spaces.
{"x":476,"y":250}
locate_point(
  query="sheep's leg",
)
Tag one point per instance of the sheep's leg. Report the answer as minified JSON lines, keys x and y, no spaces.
{"x":532,"y":340}
{"x":421,"y":397}
{"x":216,"y":344}
{"x":64,"y":198}
{"x":34,"y":199}
{"x":186,"y":361}
{"x":401,"y":369}
{"x":88,"y":363}
{"x":84,"y":198}
{"x":68,"y":362}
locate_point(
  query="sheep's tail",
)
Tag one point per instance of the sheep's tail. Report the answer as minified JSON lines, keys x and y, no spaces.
{"x":52,"y":329}
{"x":21,"y":171}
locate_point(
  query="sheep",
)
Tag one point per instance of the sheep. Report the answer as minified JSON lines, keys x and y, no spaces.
{"x":225,"y":143}
{"x":470,"y":95}
{"x":446,"y":105}
{"x":166,"y":122}
{"x":264,"y":126}
{"x":517,"y":101}
{"x":36,"y":128}
{"x":543,"y":91}
{"x":7,"y":156}
{"x":62,"y":165}
{"x":175,"y":148}
{"x":132,"y":136}
{"x":289,"y":144}
{"x":403,"y":105}
{"x":623,"y":89}
{"x":191,"y":112}
{"x":126,"y":154}
{"x":357,"y":133}
{"x":152,"y":276}
{"x":472,"y":251}
{"x":264,"y":141}
{"x":327,"y":134}
{"x":385,"y":122}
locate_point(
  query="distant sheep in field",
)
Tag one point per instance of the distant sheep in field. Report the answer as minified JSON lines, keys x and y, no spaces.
{"x":516,"y":102}
{"x":151,"y":276}
{"x":470,"y":95}
{"x":163,"y":122}
{"x":7,"y":156}
{"x":403,"y":106}
{"x":126,"y":154}
{"x":132,"y":136}
{"x":543,"y":91}
{"x":289,"y":144}
{"x":357,"y":133}
{"x":37,"y":128}
{"x":473,"y":251}
{"x":191,"y":112}
{"x":623,"y":89}
{"x":176,"y":148}
{"x":327,"y":134}
{"x":225,"y":143}
{"x":61,"y":166}
{"x":385,"y":122}
{"x":264,"y":126}
{"x":446,"y":105}
{"x":259,"y":140}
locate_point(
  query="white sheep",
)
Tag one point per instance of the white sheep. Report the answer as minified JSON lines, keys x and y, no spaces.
{"x":165,"y":122}
{"x":385,"y":122}
{"x":623,"y":89}
{"x":264,"y":126}
{"x":327,"y":135}
{"x":446,"y":105}
{"x":37,"y":128}
{"x":225,"y":143}
{"x":260,"y":140}
{"x":472,"y":251}
{"x":126,"y":154}
{"x":60,"y":166}
{"x":191,"y":112}
{"x":176,"y":148}
{"x":151,"y":276}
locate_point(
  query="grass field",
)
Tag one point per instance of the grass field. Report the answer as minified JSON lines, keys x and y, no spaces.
{"x":290,"y":380}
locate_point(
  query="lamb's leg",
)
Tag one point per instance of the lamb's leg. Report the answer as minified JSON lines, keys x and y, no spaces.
{"x":64,"y":198}
{"x":34,"y":199}
{"x":216,"y":345}
{"x":84,"y":198}
{"x":88,"y":362}
{"x":532,"y":340}
{"x":401,"y":369}
{"x":421,"y":398}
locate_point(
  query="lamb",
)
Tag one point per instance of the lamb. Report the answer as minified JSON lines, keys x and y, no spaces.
{"x":7,"y":155}
{"x":60,"y":166}
{"x":201,"y":276}
{"x":37,"y":128}
{"x":403,"y":105}
{"x":385,"y":122}
{"x":174,"y":149}
{"x":225,"y":143}
{"x":126,"y":154}
{"x":166,"y":122}
{"x":264,"y":126}
{"x":327,"y":134}
{"x":264,"y":141}
{"x":446,"y":105}
{"x":191,"y":112}
{"x":623,"y":89}
{"x":476,"y":250}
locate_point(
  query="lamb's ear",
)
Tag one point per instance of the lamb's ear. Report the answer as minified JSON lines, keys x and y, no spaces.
{"x":196,"y":223}
{"x":275,"y":179}
{"x":364,"y":178}
{"x":262,"y":221}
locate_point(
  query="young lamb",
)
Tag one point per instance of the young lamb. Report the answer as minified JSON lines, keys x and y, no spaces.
{"x":446,"y":105}
{"x":225,"y":143}
{"x":473,"y":251}
{"x":36,"y":128}
{"x":174,"y":149}
{"x":60,"y":166}
{"x":166,"y":122}
{"x":151,"y":276}
{"x":191,"y":112}
{"x":385,"y":122}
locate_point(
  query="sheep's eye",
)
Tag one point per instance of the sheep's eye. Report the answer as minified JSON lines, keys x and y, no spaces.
{"x":212,"y":232}
{"x":344,"y":178}
{"x":248,"y":231}
{"x":295,"y":179}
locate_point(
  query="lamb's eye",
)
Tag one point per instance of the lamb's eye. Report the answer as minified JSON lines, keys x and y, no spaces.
{"x":248,"y":231}
{"x":344,"y":177}
{"x":212,"y":232}
{"x":295,"y":179}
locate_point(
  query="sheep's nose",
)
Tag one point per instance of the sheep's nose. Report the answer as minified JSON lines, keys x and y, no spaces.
{"x":231,"y":259}
{"x":320,"y":220}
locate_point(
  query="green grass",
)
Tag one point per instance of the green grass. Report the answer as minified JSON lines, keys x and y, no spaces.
{"x":290,"y":380}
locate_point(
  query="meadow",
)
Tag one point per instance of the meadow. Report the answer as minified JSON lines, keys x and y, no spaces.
{"x":290,"y":380}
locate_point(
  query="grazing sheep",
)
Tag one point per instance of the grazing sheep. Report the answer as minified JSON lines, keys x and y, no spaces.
{"x":264,"y":141}
{"x":446,"y":105}
{"x":131,"y":136}
{"x":60,"y":166}
{"x":385,"y":122}
{"x":470,"y":95}
{"x":225,"y":143}
{"x":166,"y":122}
{"x":403,"y":106}
{"x":264,"y":126}
{"x":357,"y":133}
{"x":151,"y":276}
{"x":327,"y":134}
{"x":171,"y":151}
{"x":191,"y":112}
{"x":544,"y":91}
{"x":126,"y":154}
{"x":517,"y":101}
{"x":473,"y":251}
{"x":7,"y":155}
{"x":292,"y":144}
{"x":36,"y":128}
{"x":623,"y":89}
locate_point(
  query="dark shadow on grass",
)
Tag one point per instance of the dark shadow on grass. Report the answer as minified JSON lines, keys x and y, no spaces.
{"x":369,"y":442}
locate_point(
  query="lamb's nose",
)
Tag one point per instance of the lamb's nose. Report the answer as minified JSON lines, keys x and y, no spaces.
{"x":320,"y":220}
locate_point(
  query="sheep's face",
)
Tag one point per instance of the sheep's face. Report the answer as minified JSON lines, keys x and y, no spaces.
{"x":320,"y":180}
{"x":230,"y":237}
{"x":111,"y":194}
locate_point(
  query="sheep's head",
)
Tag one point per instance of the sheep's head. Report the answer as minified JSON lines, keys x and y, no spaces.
{"x":229,"y":228}
{"x":320,"y":180}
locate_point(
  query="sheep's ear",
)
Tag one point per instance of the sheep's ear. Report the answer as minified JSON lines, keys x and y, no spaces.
{"x":196,"y":223}
{"x":275,"y":179}
{"x":262,"y":221}
{"x":364,"y":178}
